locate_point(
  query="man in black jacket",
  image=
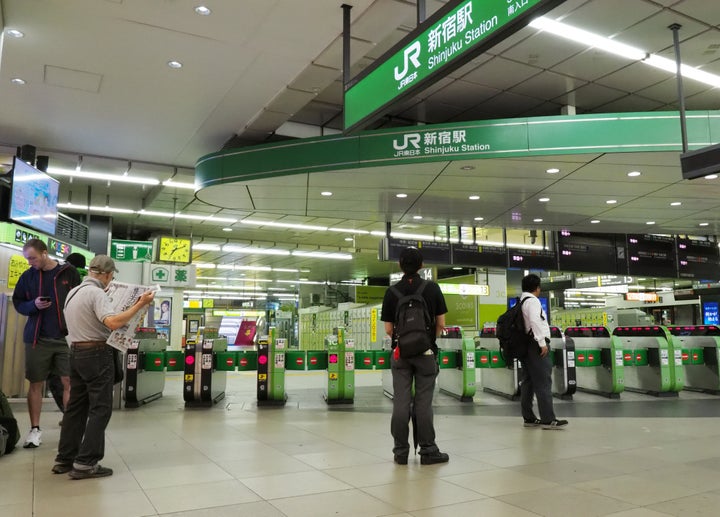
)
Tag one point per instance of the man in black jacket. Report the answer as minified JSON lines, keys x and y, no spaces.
{"x":422,"y":370}
{"x":40,"y":295}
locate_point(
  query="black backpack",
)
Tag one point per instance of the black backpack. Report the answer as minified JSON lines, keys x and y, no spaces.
{"x":8,"y":422}
{"x":510,"y":331}
{"x":412,"y":322}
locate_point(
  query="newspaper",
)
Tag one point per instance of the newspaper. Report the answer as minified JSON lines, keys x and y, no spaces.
{"x":122,"y":297}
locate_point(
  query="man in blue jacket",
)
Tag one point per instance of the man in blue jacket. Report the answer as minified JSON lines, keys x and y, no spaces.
{"x":40,"y":295}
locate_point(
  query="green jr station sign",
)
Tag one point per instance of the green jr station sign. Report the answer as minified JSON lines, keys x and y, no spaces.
{"x":450,"y":38}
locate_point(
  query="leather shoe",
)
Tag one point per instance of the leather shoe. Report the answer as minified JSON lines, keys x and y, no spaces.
{"x":433,"y":458}
{"x":401,"y":460}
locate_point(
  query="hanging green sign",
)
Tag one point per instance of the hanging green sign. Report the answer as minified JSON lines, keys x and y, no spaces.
{"x":447,"y":40}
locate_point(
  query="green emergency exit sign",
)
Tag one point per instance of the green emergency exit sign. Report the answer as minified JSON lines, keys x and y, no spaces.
{"x":447,"y":40}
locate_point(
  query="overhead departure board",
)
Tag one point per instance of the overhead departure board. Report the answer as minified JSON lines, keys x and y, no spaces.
{"x":651,"y":255}
{"x":590,"y":252}
{"x":698,"y":259}
{"x":474,"y":255}
{"x":432,"y":252}
{"x":544,"y":260}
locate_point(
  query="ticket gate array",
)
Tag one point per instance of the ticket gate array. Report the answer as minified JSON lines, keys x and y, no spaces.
{"x":271,"y":370}
{"x":503,"y":379}
{"x":203,"y":383}
{"x":651,"y":363}
{"x":340,"y":368}
{"x":144,"y":369}
{"x":598,"y":360}
{"x":496,"y":376}
{"x":456,"y":360}
{"x":698,"y":347}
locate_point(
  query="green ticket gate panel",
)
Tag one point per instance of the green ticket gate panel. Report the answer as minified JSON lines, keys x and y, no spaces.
{"x":456,"y":358}
{"x":226,"y":361}
{"x":699,"y":346}
{"x":495,"y":376}
{"x":174,"y":361}
{"x":382,"y":359}
{"x":598,"y":360}
{"x":317,"y":360}
{"x":295,"y":360}
{"x":271,"y":362}
{"x":247,"y":360}
{"x":364,"y":359}
{"x":562,"y":358}
{"x":340,"y":368}
{"x":144,"y":364}
{"x":657,"y":367}
{"x":204,"y":385}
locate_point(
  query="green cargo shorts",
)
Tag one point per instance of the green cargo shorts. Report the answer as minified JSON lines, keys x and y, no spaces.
{"x":46,"y":357}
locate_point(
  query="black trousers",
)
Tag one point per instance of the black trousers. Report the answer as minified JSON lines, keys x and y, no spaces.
{"x":82,"y":438}
{"x":536,"y":380}
{"x":422,"y":370}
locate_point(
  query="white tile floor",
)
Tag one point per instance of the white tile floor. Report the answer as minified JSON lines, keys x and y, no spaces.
{"x":310,"y":460}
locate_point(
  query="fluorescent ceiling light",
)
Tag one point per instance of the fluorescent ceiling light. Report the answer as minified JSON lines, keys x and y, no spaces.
{"x":178,"y":184}
{"x":348,"y":230}
{"x":322,"y":254}
{"x":204,"y":218}
{"x":612,"y":46}
{"x":284,"y":225}
{"x":252,"y":250}
{"x":285,"y":270}
{"x":206,"y":247}
{"x":102,"y":176}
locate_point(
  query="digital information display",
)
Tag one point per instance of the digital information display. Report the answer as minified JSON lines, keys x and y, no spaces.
{"x":432,"y":252}
{"x":545,"y":260}
{"x":651,"y":255}
{"x":34,"y":198}
{"x":474,"y":255}
{"x":698,"y":259}
{"x":445,"y":41}
{"x":589,"y":252}
{"x":710,"y":313}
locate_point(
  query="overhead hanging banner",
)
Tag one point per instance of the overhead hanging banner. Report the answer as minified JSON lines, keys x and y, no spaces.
{"x":447,"y":40}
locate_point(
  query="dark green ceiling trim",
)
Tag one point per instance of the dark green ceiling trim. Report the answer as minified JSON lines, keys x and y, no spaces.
{"x":541,"y":136}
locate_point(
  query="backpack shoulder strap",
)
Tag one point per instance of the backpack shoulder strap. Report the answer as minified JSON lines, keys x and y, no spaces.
{"x":421,"y":287}
{"x":396,"y":291}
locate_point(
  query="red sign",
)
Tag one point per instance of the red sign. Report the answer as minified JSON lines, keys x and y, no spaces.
{"x":638,"y":357}
{"x":299,"y":361}
{"x":591,"y":357}
{"x":313,"y":360}
{"x":483,"y":359}
{"x":368,"y":361}
{"x":229,"y":361}
{"x":695,"y":356}
{"x":628,"y":357}
{"x":685,"y":356}
{"x":381,"y":361}
{"x":172,"y":361}
{"x":158,"y":361}
{"x":243,"y":362}
{"x":495,"y":359}
{"x":581,"y":357}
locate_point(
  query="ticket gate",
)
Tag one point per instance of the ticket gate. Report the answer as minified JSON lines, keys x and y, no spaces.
{"x":562,"y":356}
{"x":456,"y":359}
{"x":699,"y":346}
{"x":271,"y":370}
{"x":497,"y":376}
{"x":204,"y":384}
{"x":144,"y":370}
{"x":340,"y":368}
{"x":651,"y":364}
{"x":598,"y":361}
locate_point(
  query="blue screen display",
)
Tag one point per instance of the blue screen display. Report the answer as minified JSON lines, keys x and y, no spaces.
{"x":710,"y":313}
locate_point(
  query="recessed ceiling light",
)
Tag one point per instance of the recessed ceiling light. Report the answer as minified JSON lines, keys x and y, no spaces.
{"x":474,"y":197}
{"x":675,"y":203}
{"x":611,"y":201}
{"x":15,"y":33}
{"x":401,"y":195}
{"x":537,"y":220}
{"x":202,"y":10}
{"x":633,"y":174}
{"x":544,"y":199}
{"x":552,"y":171}
{"x":595,"y":221}
{"x":418,"y":217}
{"x":457,"y":268}
{"x":17,"y":80}
{"x":703,"y":224}
{"x":349,"y":239}
{"x":711,"y":177}
{"x":467,"y":168}
{"x":174,"y":64}
{"x":479,"y":218}
{"x":650,"y":222}
{"x":326,"y":193}
{"x":227,"y":229}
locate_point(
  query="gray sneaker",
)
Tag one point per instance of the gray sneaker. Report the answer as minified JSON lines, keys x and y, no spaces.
{"x":97,"y":471}
{"x":555,"y":424}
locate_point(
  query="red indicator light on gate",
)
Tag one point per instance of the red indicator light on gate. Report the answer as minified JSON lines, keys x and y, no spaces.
{"x":313,"y":360}
{"x":243,"y":362}
{"x":381,"y":361}
{"x":158,"y":361}
{"x":367,"y":361}
{"x":333,"y":358}
{"x":299,"y":361}
{"x":262,"y":359}
{"x":172,"y":362}
{"x":229,"y":361}
{"x":189,"y":359}
{"x":445,"y":360}
{"x":685,"y":356}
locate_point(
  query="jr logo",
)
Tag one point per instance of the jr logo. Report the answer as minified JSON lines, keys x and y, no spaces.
{"x":411,"y":55}
{"x":411,"y":139}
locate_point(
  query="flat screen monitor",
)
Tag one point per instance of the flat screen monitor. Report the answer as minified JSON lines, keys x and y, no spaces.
{"x":34,"y":198}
